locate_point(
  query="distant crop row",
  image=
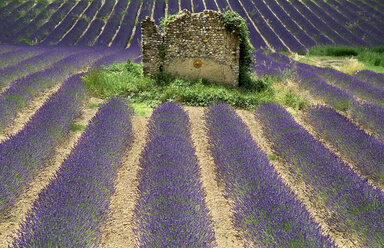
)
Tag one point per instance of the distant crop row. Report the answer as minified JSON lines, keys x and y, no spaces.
{"x":277,"y":24}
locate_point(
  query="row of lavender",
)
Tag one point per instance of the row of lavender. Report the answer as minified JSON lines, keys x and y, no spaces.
{"x":362,"y":101}
{"x":22,"y":82}
{"x":22,"y":91}
{"x":34,"y":64}
{"x":72,"y":209}
{"x":357,"y":207}
{"x":278,"y":24}
{"x":363,"y":150}
{"x":25,"y":154}
{"x":265,"y":209}
{"x":171,"y":210}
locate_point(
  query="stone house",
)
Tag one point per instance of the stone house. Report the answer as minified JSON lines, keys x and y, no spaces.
{"x":193,"y":45}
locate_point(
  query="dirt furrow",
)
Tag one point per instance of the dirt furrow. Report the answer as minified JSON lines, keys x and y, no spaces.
{"x":9,"y":227}
{"x":303,"y":191}
{"x":118,"y":231}
{"x":220,"y":207}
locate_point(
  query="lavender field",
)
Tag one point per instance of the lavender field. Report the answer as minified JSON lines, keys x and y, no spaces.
{"x":77,"y":170}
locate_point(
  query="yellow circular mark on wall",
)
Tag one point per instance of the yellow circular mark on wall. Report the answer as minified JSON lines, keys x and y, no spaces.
{"x":197,"y":63}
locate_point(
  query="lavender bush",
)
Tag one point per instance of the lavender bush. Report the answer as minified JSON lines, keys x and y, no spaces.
{"x":91,"y":34}
{"x":263,"y":27}
{"x":198,"y":6}
{"x":29,"y":29}
{"x":106,"y":9}
{"x":211,"y":5}
{"x":7,"y":48}
{"x":173,"y":7}
{"x":50,"y":25}
{"x":23,"y":155}
{"x":301,"y":20}
{"x":358,"y":208}
{"x":6,"y":10}
{"x":124,"y":34}
{"x":371,"y":77}
{"x":118,"y":57}
{"x":331,"y":95}
{"x":23,"y":90}
{"x":332,"y":23}
{"x":113,"y":24}
{"x":356,"y":20}
{"x":15,"y":25}
{"x":13,"y":57}
{"x":361,"y":89}
{"x":135,"y":45}
{"x":31,"y":65}
{"x":71,"y":210}
{"x":364,"y":150}
{"x":16,"y":13}
{"x":369,"y":116}
{"x":319,"y":24}
{"x":171,"y":211}
{"x":159,"y":11}
{"x":69,"y":20}
{"x":341,"y":17}
{"x":265,"y":209}
{"x":184,"y":5}
{"x":294,"y":28}
{"x":260,"y":7}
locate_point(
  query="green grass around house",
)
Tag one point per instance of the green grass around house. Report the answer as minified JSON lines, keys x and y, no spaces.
{"x":126,"y":79}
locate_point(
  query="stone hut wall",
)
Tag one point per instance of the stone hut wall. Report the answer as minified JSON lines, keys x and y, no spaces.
{"x":151,"y":42}
{"x":193,"y":46}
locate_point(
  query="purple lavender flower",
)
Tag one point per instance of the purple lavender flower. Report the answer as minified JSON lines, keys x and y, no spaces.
{"x":113,"y":24}
{"x":50,"y":25}
{"x":304,"y":22}
{"x":265,"y":209}
{"x":23,"y":90}
{"x":171,"y":210}
{"x":23,"y":155}
{"x":13,"y":57}
{"x":357,"y":207}
{"x":71,"y":210}
{"x":124,"y":34}
{"x":371,"y":77}
{"x":369,"y":116}
{"x":364,"y":150}
{"x":31,"y":65}
{"x":69,"y":20}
